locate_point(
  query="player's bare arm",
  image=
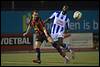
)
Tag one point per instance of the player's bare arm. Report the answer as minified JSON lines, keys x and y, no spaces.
{"x":48,"y":36}
{"x":47,"y":20}
{"x":28,"y":29}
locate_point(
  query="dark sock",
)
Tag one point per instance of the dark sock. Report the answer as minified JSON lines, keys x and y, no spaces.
{"x":38,"y":53}
{"x":59,"y":49}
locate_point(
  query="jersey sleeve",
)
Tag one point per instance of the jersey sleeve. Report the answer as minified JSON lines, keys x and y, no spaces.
{"x":52,"y":16}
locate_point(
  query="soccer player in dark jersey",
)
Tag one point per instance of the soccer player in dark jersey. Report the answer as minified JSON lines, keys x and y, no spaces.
{"x":40,"y":31}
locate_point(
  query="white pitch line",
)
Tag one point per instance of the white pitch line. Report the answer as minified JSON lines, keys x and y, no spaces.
{"x":15,"y":62}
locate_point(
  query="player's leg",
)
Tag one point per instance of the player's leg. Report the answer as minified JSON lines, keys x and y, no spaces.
{"x":37,"y":45}
{"x":38,"y":53}
{"x":39,"y":40}
{"x":64,"y":45}
{"x":62,"y":53}
{"x":67,"y":48}
{"x":56,"y":45}
{"x":60,"y":42}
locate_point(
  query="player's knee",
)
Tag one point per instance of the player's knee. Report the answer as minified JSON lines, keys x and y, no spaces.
{"x":37,"y":44}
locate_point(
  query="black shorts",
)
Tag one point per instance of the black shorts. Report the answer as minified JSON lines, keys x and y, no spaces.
{"x":40,"y":37}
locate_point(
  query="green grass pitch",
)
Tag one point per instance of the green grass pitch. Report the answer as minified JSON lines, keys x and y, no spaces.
{"x":50,"y":59}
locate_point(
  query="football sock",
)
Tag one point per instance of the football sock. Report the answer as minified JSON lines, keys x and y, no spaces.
{"x":38,"y":53}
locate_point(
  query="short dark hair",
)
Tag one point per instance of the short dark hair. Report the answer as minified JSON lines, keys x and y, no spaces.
{"x":66,"y":5}
{"x":34,"y":11}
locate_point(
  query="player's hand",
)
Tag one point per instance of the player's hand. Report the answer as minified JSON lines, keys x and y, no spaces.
{"x":24,"y":34}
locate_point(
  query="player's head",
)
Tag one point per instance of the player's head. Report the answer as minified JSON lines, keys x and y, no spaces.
{"x":64,"y":8}
{"x":35,"y":13}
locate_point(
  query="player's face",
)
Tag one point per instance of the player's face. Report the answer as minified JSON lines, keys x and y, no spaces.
{"x":64,"y":9}
{"x":35,"y":14}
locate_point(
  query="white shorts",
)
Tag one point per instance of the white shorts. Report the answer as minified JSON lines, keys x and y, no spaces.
{"x":56,"y":36}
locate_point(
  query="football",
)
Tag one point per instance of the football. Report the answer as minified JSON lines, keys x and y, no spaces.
{"x":77,"y":15}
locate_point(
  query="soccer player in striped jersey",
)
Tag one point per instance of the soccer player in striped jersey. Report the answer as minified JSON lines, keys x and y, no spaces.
{"x":61,"y":21}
